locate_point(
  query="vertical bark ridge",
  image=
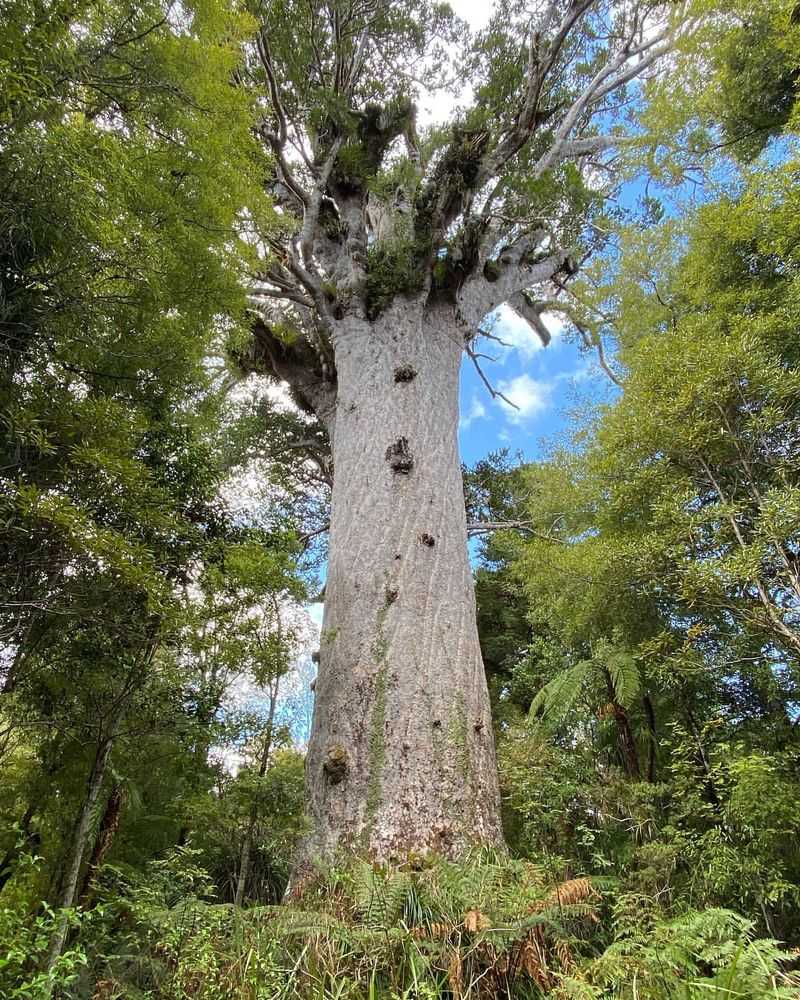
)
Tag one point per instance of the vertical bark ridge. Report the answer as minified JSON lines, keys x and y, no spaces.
{"x":401,"y":693}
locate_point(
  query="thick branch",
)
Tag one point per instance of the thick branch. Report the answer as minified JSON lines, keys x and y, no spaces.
{"x":298,"y":365}
{"x":542,"y":55}
{"x":526,"y":307}
{"x":505,"y":277}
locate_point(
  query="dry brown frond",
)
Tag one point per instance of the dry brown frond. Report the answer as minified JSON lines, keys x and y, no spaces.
{"x":476,"y":921}
{"x":574,"y":890}
{"x":531,"y":958}
{"x":565,"y":957}
{"x":107,"y":989}
{"x":436,"y":930}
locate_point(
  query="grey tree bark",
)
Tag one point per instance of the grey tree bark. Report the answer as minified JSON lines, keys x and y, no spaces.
{"x":401,"y":757}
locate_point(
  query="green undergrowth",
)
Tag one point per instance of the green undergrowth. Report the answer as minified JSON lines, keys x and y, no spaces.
{"x":487,"y":927}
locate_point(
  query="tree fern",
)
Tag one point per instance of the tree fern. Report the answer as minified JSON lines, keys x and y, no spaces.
{"x":559,"y":695}
{"x":624,"y":673}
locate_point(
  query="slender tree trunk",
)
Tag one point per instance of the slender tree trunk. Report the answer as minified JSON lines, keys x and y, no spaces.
{"x":80,"y":839}
{"x":401,"y":757}
{"x":109,"y":825}
{"x":630,"y":753}
{"x":627,"y":741}
{"x":109,"y":730}
{"x":711,"y":788}
{"x":247,"y":846}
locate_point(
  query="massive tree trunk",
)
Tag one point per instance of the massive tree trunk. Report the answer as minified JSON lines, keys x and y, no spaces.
{"x":381,"y":272}
{"x":401,"y":757}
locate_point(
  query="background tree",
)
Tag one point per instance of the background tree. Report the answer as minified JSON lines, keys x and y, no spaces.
{"x":659,"y":568}
{"x":122,"y":270}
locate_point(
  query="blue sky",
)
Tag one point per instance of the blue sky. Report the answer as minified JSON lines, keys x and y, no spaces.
{"x":545,"y":382}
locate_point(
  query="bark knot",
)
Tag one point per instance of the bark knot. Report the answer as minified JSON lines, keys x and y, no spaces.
{"x":335,"y":766}
{"x":399,"y":457}
{"x":405,"y":373}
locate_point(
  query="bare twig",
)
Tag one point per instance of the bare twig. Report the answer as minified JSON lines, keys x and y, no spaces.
{"x":484,"y":527}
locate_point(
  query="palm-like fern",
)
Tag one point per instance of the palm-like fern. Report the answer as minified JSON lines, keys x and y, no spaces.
{"x":558,"y":696}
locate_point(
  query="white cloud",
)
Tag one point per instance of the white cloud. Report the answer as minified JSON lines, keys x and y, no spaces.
{"x":475,"y":412}
{"x":438,"y":107}
{"x":529,"y":396}
{"x":555,"y":324}
{"x":315,"y":612}
{"x":514,"y":330}
{"x":476,"y":14}
{"x":583,"y":372}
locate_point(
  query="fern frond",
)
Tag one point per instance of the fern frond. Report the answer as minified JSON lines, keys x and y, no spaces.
{"x":436,"y":930}
{"x":573,"y":890}
{"x":455,"y":974}
{"x":476,"y":921}
{"x":556,"y":698}
{"x":531,"y":958}
{"x":625,"y":678}
{"x":380,"y":895}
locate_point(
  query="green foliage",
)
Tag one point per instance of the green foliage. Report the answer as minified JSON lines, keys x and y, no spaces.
{"x":730,"y":95}
{"x":658,"y":651}
{"x":420,"y":930}
{"x":758,"y":76}
{"x":130,"y":185}
{"x":393,"y":268}
{"x":24,"y":939}
{"x":559,"y":695}
{"x":692,"y":955}
{"x":479,"y":929}
{"x":278,"y":802}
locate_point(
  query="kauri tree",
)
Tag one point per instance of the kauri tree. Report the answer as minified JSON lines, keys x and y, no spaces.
{"x":394,"y":249}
